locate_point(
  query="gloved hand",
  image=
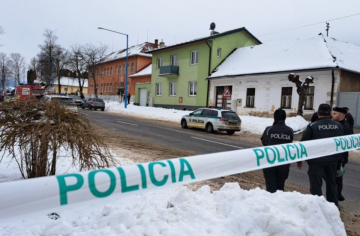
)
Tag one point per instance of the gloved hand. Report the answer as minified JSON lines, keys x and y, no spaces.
{"x":340,"y":172}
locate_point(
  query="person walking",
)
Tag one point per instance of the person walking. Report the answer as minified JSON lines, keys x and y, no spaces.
{"x":278,"y":133}
{"x":128,"y":98}
{"x":349,"y":118}
{"x":339,"y":114}
{"x":323,"y":166}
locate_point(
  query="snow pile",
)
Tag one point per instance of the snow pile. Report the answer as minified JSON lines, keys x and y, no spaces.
{"x":229,"y":211}
{"x":250,"y":124}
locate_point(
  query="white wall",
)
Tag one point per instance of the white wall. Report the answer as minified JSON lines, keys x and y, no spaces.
{"x":268,"y":90}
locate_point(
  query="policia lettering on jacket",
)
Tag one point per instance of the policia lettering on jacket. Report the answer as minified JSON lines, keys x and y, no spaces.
{"x":278,"y":133}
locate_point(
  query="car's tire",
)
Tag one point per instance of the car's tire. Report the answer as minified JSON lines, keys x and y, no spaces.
{"x":95,"y":109}
{"x":209,"y":128}
{"x":82,"y":107}
{"x":103,"y":109}
{"x":230,"y":132}
{"x":184,"y":124}
{"x":90,"y":108}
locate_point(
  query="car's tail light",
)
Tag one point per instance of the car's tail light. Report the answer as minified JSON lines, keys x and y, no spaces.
{"x":92,"y":102}
{"x":223,"y":119}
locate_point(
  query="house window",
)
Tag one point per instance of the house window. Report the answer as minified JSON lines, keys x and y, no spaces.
{"x":111,"y":87}
{"x":108,"y":70}
{"x":120,"y":70}
{"x":102,"y":72}
{"x":172,"y":89}
{"x":218,"y":52}
{"x":286,"y":94}
{"x":158,"y":89}
{"x":159,"y":63}
{"x":194,"y":57}
{"x":111,"y":71}
{"x":309,"y":98}
{"x":116,"y":70}
{"x":173,"y":60}
{"x":193,"y":88}
{"x":124,"y":69}
{"x":133,"y":67}
{"x":250,"y":97}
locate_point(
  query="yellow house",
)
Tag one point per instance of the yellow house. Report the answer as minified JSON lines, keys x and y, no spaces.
{"x":70,"y":86}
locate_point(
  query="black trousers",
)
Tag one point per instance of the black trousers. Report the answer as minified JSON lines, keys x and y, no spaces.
{"x":275,"y":177}
{"x":316,"y":173}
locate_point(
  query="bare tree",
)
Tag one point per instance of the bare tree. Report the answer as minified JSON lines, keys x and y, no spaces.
{"x":17,"y":66}
{"x":61,"y":61}
{"x":5,"y":70}
{"x":77,"y":64}
{"x":92,"y":56}
{"x":47,"y":55}
{"x":300,"y":89}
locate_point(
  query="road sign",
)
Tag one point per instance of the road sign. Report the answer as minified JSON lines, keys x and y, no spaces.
{"x":227,"y":93}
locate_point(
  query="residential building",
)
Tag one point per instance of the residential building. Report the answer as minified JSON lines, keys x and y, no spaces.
{"x":70,"y":86}
{"x":142,"y":83}
{"x":179,"y":71}
{"x":258,"y":76}
{"x":110,"y":74}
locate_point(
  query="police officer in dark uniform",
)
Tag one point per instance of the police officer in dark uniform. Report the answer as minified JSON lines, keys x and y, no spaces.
{"x":339,"y":115}
{"x":278,"y":133}
{"x":324,"y":166}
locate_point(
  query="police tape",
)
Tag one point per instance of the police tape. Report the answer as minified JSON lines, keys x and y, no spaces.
{"x":26,"y":196}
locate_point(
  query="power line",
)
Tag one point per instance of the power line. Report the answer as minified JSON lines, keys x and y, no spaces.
{"x":310,"y":24}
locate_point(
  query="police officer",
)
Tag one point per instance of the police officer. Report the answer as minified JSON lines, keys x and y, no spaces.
{"x":338,"y":115}
{"x":324,"y":166}
{"x":278,"y":133}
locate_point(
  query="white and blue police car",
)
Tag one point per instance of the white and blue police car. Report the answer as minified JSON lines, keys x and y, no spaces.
{"x":212,"y":120}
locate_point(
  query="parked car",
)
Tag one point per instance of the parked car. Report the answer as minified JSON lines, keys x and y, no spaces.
{"x":66,"y":101}
{"x":94,"y":103}
{"x":77,"y":100}
{"x":212,"y":120}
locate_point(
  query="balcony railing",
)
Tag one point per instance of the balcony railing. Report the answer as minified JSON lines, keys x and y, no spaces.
{"x":169,"y":71}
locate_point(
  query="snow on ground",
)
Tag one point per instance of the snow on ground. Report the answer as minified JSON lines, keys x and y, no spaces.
{"x":180,"y":211}
{"x":250,"y":124}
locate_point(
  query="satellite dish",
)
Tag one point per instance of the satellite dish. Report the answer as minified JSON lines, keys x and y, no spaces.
{"x":212,"y":26}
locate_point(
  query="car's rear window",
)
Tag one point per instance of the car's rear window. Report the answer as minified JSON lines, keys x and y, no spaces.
{"x":98,"y":100}
{"x":62,"y":100}
{"x":230,"y":115}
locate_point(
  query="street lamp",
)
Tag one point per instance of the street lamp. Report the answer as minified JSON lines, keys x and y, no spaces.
{"x":126,"y":66}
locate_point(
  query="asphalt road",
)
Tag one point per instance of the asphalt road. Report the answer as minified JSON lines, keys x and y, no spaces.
{"x":200,"y":142}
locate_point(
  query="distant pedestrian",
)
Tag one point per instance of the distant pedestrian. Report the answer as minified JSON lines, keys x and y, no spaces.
{"x":323,"y":166}
{"x":314,"y":117}
{"x":348,"y":117}
{"x":278,"y":133}
{"x":128,"y":98}
{"x":339,"y":114}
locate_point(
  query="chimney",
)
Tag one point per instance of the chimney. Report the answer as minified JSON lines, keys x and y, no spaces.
{"x":162,"y":44}
{"x":156,"y":43}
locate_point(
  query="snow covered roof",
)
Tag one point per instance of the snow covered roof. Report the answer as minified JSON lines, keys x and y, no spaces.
{"x":139,"y":50}
{"x":300,"y":54}
{"x":68,"y":81}
{"x":146,"y":71}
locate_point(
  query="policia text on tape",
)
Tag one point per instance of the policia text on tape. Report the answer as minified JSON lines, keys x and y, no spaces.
{"x":26,"y":196}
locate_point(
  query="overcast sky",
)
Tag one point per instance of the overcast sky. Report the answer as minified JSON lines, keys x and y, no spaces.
{"x":76,"y":21}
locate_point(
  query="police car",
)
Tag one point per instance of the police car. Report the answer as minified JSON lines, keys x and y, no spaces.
{"x":212,"y":120}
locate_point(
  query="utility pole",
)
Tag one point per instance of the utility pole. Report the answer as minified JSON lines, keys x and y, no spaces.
{"x":327,"y":28}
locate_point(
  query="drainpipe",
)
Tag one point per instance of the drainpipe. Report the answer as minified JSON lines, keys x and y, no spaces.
{"x":332,"y":88}
{"x":208,"y":83}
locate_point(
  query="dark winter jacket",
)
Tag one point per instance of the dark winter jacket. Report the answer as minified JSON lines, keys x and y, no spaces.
{"x":323,"y":128}
{"x":279,"y":133}
{"x":349,"y":119}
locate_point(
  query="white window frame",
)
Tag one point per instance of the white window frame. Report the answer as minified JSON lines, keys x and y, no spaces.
{"x":218,"y":52}
{"x":158,"y":89}
{"x":194,"y":58}
{"x":192,"y":86}
{"x":172,"y":89}
{"x":124,"y":69}
{"x":120,"y":70}
{"x":159,"y":63}
{"x":116,"y":70}
{"x":133,"y":67}
{"x":174,"y":60}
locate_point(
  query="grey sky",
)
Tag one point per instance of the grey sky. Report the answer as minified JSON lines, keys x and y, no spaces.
{"x":76,"y":21}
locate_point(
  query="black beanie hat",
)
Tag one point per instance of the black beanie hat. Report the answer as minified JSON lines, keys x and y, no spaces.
{"x":340,"y":109}
{"x":279,"y":115}
{"x":324,"y":110}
